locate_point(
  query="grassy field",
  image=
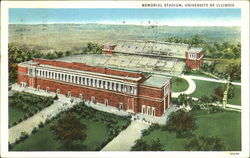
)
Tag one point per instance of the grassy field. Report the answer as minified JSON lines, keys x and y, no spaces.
{"x":15,"y":113}
{"x":44,"y":140}
{"x":223,"y":63}
{"x":225,"y":125}
{"x":101,"y":128}
{"x":237,"y":96}
{"x":207,"y":88}
{"x":179,"y":86}
{"x":23,"y":104}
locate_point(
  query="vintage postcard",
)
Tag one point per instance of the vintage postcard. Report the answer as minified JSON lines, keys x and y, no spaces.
{"x":125,"y":79}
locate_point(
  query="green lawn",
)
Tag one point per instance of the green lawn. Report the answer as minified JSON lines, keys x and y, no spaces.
{"x":15,"y":113}
{"x":100,"y":130}
{"x":207,"y":88}
{"x":23,"y":103}
{"x":237,"y":96}
{"x":225,"y":125}
{"x":179,"y":84}
{"x":44,"y":140}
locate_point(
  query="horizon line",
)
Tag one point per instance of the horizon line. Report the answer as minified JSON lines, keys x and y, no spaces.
{"x":134,"y":24}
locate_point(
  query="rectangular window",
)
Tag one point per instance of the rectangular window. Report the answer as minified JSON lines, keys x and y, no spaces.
{"x":47,"y":89}
{"x":80,"y":80}
{"x":143,"y":109}
{"x":80,"y":96}
{"x":38,"y":87}
{"x":153,"y":111}
{"x":87,"y":81}
{"x":83,"y":80}
{"x":57,"y":91}
{"x":148,"y":110}
{"x":91,"y":82}
{"x":106,"y":102}
{"x":104,"y":84}
{"x":76,"y":80}
{"x":93,"y":99}
{"x":100,"y":83}
{"x":120,"y":105}
{"x":69,"y":94}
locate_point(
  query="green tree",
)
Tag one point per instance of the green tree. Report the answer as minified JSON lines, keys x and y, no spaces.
{"x":69,"y":129}
{"x":181,"y":122}
{"x":205,"y":143}
{"x":141,"y":145}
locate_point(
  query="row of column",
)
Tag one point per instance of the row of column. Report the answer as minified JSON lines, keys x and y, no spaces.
{"x":99,"y":83}
{"x":148,"y":110}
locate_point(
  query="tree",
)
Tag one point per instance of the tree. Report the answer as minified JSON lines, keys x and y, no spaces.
{"x":219,"y":92}
{"x":205,"y":143}
{"x":181,"y":122}
{"x":234,"y":71}
{"x":69,"y":129}
{"x":141,"y":145}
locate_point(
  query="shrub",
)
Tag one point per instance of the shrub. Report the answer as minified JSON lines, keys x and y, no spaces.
{"x":17,"y":141}
{"x":30,"y":114}
{"x":20,"y":120}
{"x":15,"y":123}
{"x":47,"y":120}
{"x":145,"y":132}
{"x":34,"y":130}
{"x":24,"y":135}
{"x":56,"y":97}
{"x":40,"y":125}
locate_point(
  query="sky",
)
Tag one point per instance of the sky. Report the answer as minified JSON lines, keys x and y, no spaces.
{"x":136,"y":16}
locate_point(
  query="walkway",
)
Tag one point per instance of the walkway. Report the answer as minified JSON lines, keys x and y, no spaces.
{"x":191,"y":86}
{"x":210,"y":79}
{"x":126,"y":139}
{"x":32,"y":122}
{"x":61,"y":104}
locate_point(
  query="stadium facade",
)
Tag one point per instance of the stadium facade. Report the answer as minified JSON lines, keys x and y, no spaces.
{"x":125,"y":90}
{"x":193,"y":56}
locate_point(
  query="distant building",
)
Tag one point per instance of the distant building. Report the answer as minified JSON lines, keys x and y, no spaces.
{"x":125,"y":90}
{"x":193,"y":56}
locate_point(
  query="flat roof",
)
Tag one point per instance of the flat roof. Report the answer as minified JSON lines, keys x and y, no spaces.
{"x":194,"y":50}
{"x":156,"y":81}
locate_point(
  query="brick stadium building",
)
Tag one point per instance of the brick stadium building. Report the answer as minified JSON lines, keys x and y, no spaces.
{"x":130,"y":91}
{"x":193,"y":57}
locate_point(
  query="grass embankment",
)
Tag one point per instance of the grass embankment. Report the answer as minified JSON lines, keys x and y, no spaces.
{"x":225,"y":125}
{"x":207,"y":88}
{"x":179,"y":84}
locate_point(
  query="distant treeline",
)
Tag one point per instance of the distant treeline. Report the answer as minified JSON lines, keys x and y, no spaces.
{"x":211,"y":50}
{"x":18,"y":55}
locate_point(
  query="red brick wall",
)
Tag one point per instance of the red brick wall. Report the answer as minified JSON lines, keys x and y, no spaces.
{"x":194,"y":64}
{"x":151,"y":92}
{"x":158,"y":106}
{"x":22,"y":78}
{"x":22,"y":69}
{"x":113,"y":98}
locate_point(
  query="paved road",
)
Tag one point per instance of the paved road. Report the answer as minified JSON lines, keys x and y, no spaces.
{"x":191,"y":86}
{"x":126,"y":139}
{"x":210,"y":79}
